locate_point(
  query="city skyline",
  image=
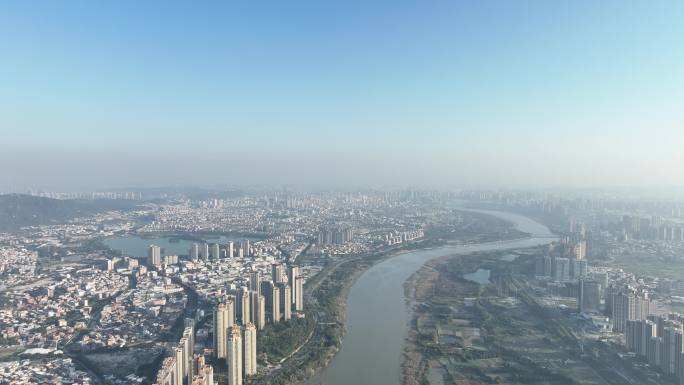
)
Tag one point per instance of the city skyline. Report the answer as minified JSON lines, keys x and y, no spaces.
{"x":151,"y":285}
{"x":348,"y":192}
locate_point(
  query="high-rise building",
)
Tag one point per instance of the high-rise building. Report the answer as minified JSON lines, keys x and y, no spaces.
{"x":548,"y":266}
{"x":257,"y":309}
{"x":660,"y":321}
{"x":154,"y":255}
{"x":627,"y":305}
{"x":170,"y":260}
{"x":299,"y":300}
{"x":654,"y":351}
{"x":545,"y":266}
{"x":589,"y":296}
{"x":250,"y":351}
{"x":609,"y":292}
{"x":260,"y":320}
{"x":632,"y":334}
{"x":184,"y":367}
{"x":285,"y":301}
{"x":244,"y":311}
{"x":180,"y":370}
{"x":277,"y":273}
{"x":253,"y":306}
{"x":623,"y":310}
{"x":292,"y":274}
{"x":215,"y":251}
{"x":184,"y":345}
{"x":671,"y":349}
{"x":224,"y":319}
{"x":638,"y":334}
{"x":647,"y":331}
{"x":229,"y":250}
{"x":204,"y":254}
{"x":255,"y":282}
{"x":561,"y":271}
{"x":677,"y":351}
{"x":234,"y":356}
{"x":167,"y":372}
{"x":578,"y":268}
{"x":337,"y":236}
{"x":188,"y":341}
{"x":244,"y":245}
{"x":580,"y":250}
{"x":274,"y":304}
{"x":194,"y":252}
{"x":205,"y":373}
{"x":644,"y":307}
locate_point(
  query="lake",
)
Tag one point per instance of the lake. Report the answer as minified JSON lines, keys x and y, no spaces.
{"x":136,"y":246}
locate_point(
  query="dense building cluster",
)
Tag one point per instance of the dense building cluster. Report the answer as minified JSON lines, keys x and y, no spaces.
{"x":398,"y":237}
{"x":54,"y":371}
{"x":658,"y":339}
{"x":240,"y":314}
{"x":183,"y":366}
{"x":637,"y":308}
{"x":561,"y":269}
{"x":44,"y":316}
{"x":62,"y":290}
{"x":653,"y":227}
{"x":138,"y":314}
{"x":17,"y":265}
{"x":334,"y":236}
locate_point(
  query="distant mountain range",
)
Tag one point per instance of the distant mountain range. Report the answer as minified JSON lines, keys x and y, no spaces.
{"x":18,"y":210}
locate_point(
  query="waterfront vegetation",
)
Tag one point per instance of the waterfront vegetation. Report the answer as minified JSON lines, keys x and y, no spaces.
{"x":282,"y":339}
{"x":492,"y":338}
{"x":502,"y":333}
{"x":472,"y":227}
{"x":327,"y":293}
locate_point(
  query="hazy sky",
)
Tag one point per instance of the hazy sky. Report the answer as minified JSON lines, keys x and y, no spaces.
{"x":445,"y":93}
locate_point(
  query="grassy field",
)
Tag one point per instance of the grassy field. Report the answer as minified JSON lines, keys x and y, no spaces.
{"x":650,"y":265}
{"x":490,"y":338}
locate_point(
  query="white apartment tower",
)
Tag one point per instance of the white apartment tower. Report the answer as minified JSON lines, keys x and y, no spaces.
{"x":229,"y":250}
{"x":224,"y":318}
{"x":154,"y":255}
{"x":250,"y":351}
{"x":234,"y":356}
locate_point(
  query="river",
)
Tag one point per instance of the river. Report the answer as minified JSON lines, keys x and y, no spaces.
{"x":378,"y":316}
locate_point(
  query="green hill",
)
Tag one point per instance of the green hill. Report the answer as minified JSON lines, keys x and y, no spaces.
{"x":18,"y":210}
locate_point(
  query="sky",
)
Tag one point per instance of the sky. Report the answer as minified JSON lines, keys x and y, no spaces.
{"x":481,"y":94}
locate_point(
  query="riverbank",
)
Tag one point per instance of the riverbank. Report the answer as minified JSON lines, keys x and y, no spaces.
{"x":337,"y":281}
{"x":179,"y":243}
{"x":435,"y":293}
{"x":196,"y":236}
{"x":376,"y":313}
{"x":327,"y":294}
{"x":493,"y":328}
